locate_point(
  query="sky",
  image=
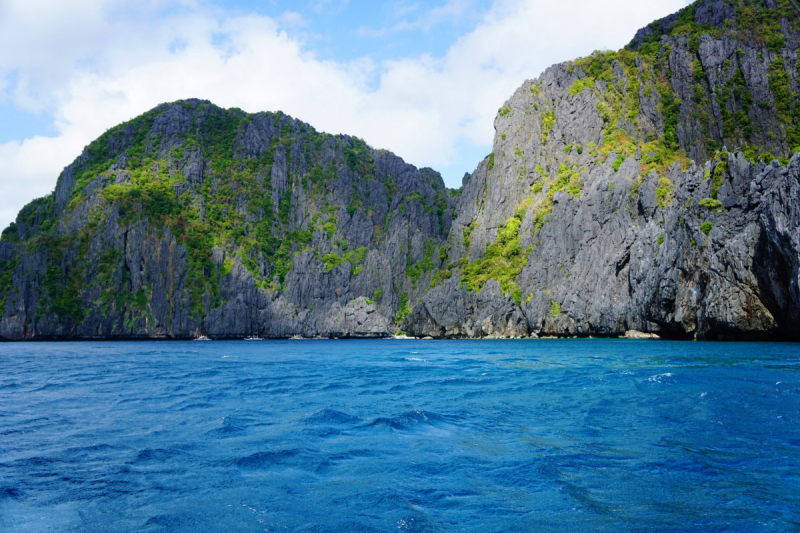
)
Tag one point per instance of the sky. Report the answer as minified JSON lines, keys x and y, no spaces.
{"x":423,"y":79}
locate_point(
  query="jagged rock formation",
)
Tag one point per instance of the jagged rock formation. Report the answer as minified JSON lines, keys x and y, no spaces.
{"x":604,"y":264}
{"x":611,"y":178}
{"x":192,"y":219}
{"x":649,"y":189}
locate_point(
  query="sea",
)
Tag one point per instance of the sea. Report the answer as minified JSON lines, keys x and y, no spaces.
{"x":572,"y":435}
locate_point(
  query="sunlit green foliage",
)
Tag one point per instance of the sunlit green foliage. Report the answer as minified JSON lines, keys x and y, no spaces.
{"x":647,"y":69}
{"x":468,"y":233}
{"x":664,"y":192}
{"x":10,"y":234}
{"x":719,"y":174}
{"x":567,"y":178}
{"x":503,"y":261}
{"x":7,"y":269}
{"x":403,"y":310}
{"x":710,"y":203}
{"x":580,"y":85}
{"x":414,"y":271}
{"x":61,"y":289}
{"x":359,"y":158}
{"x":440,"y":277}
{"x":618,"y":162}
{"x":548,"y":122}
{"x":354,"y":257}
{"x":780,"y":84}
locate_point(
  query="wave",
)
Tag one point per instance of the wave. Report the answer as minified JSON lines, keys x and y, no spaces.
{"x":667,"y":377}
{"x":10,"y":493}
{"x":335,"y":386}
{"x":416,"y":524}
{"x":36,"y":462}
{"x":350,"y":527}
{"x":14,"y":385}
{"x":331,"y":417}
{"x":52,"y":387}
{"x":94,"y":448}
{"x":232,"y":426}
{"x":159,"y":455}
{"x":261,"y":460}
{"x":199,"y":405}
{"x":334,"y":460}
{"x":412,"y":421}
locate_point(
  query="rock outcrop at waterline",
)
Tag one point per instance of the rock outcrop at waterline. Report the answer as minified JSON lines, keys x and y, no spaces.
{"x":649,"y":189}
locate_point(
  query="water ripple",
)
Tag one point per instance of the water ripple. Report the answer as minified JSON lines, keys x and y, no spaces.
{"x":571,"y":435}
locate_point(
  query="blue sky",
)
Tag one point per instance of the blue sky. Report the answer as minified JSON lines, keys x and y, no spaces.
{"x":349,"y":29}
{"x":422,"y":79}
{"x":19,"y":124}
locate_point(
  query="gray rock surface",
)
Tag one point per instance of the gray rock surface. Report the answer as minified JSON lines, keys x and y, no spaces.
{"x":147,"y":289}
{"x":373,"y":245}
{"x":619,"y":256}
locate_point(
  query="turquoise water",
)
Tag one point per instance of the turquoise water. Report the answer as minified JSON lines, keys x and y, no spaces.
{"x":318,"y":436}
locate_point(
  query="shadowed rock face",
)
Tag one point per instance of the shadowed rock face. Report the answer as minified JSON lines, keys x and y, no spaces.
{"x":631,"y":190}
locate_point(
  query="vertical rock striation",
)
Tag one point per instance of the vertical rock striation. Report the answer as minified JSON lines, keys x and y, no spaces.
{"x":648,"y":189}
{"x":651,"y":189}
{"x":193,"y":219}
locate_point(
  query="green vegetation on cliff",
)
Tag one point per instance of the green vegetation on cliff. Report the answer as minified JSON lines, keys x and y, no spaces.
{"x":189,"y":203}
{"x":142,"y":175}
{"x":503,"y":261}
{"x":647,"y":117}
{"x":753,"y":24}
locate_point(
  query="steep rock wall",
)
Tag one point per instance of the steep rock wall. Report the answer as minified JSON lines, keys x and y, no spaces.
{"x":193,"y":219}
{"x":638,"y":190}
{"x":649,"y":189}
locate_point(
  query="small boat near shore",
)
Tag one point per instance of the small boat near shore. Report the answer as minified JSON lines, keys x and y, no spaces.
{"x":253,"y":338}
{"x":202,"y":338}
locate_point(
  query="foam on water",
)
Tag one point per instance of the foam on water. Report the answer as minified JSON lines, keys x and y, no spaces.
{"x":571,"y":435}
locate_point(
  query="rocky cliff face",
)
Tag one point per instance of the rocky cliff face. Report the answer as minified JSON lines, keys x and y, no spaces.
{"x":192,"y":219}
{"x":649,"y":189}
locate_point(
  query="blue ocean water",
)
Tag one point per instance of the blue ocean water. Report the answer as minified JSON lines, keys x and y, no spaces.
{"x":368,"y":436}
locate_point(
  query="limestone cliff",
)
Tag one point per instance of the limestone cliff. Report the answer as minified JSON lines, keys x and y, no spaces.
{"x":193,"y":219}
{"x":647,"y":189}
{"x":650,"y":189}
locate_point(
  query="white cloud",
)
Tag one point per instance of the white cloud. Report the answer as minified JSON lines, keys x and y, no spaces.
{"x":293,"y":19}
{"x":328,"y":7}
{"x":449,"y":12}
{"x":101,"y":62}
